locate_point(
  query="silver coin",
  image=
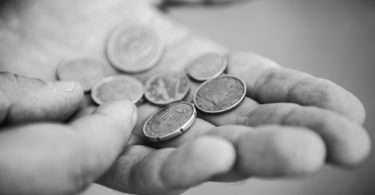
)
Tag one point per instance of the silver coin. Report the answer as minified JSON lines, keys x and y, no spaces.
{"x":207,"y":67}
{"x":170,"y":121}
{"x":220,"y":94}
{"x":134,"y":48}
{"x":83,"y":69}
{"x":118,"y":87}
{"x":164,"y":89}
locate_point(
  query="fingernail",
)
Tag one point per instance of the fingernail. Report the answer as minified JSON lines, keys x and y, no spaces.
{"x":135,"y":115}
{"x":66,"y":86}
{"x":123,"y":111}
{"x":133,"y":110}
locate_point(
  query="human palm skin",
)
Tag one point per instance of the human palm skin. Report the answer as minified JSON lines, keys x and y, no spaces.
{"x":290,"y":124}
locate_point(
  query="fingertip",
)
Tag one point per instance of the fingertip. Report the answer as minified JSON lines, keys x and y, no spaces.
{"x":303,"y":152}
{"x":358,"y":112}
{"x":354,"y":151}
{"x":197,"y":162}
{"x":123,"y":111}
{"x":280,"y":152}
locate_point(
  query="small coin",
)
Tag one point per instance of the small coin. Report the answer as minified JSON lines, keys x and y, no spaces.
{"x":83,"y":69}
{"x":118,"y":87}
{"x":170,"y":121}
{"x":134,"y":48}
{"x":163,"y":89}
{"x":207,"y":67}
{"x":220,"y":94}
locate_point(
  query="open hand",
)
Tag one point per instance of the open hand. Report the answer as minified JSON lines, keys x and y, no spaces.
{"x":290,"y":124}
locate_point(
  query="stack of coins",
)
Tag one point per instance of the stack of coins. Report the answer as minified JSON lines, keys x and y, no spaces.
{"x":134,"y":48}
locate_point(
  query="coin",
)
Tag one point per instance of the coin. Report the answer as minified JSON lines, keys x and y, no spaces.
{"x":118,"y":87}
{"x":134,"y":48}
{"x":170,"y":121}
{"x":207,"y":67}
{"x":83,"y":69}
{"x":163,"y":89}
{"x":220,"y":94}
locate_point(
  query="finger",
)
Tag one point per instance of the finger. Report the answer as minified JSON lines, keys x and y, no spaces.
{"x":272,"y":151}
{"x":347,"y":143}
{"x":314,"y":146}
{"x":25,"y":99}
{"x":57,"y":159}
{"x":143,"y":170}
{"x":112,"y":123}
{"x":267,"y":83}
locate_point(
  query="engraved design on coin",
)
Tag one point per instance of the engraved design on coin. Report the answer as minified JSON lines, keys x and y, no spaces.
{"x":163,"y":89}
{"x":134,"y":48}
{"x":220,"y":94}
{"x":207,"y":67}
{"x":83,"y":69}
{"x":118,"y":87}
{"x":170,"y":121}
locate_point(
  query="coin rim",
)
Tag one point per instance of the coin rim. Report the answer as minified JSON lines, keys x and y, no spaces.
{"x":225,"y":109}
{"x":113,"y":59}
{"x":111,"y":78}
{"x":202,"y":79}
{"x":75,"y":57}
{"x":147,"y":84}
{"x":179,"y":131}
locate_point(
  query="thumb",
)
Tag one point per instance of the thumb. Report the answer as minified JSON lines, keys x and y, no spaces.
{"x":47,"y":158}
{"x":24,"y":99}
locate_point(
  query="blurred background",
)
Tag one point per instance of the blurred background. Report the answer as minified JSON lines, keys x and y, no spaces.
{"x":333,"y":39}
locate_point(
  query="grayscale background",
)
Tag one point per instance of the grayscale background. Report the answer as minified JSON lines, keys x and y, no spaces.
{"x":334,"y":39}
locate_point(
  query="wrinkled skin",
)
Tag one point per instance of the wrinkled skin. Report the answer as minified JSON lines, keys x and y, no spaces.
{"x":290,"y":124}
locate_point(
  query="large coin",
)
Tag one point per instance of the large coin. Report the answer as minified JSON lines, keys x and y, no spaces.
{"x":220,"y":94}
{"x":134,"y":48}
{"x":118,"y":87}
{"x":170,"y":121}
{"x":164,"y":89}
{"x":207,"y":67}
{"x":83,"y":69}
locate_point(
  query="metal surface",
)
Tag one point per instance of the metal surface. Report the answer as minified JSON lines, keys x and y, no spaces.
{"x":207,"y":67}
{"x":170,"y":121}
{"x":118,"y":87}
{"x":220,"y":94}
{"x":134,"y":48}
{"x":163,"y":89}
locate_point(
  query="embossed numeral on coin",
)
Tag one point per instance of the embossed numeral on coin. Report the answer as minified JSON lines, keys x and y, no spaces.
{"x":170,"y":121}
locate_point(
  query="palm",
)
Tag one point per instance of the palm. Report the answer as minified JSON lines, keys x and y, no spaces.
{"x":291,"y":133}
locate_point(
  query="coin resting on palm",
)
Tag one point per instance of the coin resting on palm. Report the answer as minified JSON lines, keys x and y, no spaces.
{"x":170,"y":121}
{"x":83,"y":69}
{"x":134,"y":48}
{"x":220,"y":94}
{"x":164,"y":89}
{"x":117,"y":87}
{"x":207,"y":66}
